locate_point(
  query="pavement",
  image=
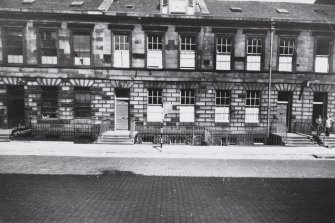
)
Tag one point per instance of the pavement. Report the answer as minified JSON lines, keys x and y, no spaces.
{"x":47,"y":148}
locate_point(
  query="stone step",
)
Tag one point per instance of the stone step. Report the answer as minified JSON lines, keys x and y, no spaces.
{"x":114,"y":143}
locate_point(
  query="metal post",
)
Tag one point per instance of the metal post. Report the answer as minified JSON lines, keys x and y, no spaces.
{"x":162,"y":125}
{"x":270,"y":75}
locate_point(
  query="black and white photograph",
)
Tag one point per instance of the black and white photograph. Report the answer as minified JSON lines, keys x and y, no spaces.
{"x":167,"y":111}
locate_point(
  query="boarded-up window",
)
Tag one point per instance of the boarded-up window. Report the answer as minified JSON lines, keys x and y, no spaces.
{"x":254,"y":53}
{"x":252,"y":109}
{"x":121,"y":51}
{"x":82,"y":48}
{"x":48,"y":47}
{"x":223,"y":53}
{"x":322,"y":56}
{"x":155,"y":108}
{"x":14,"y":46}
{"x":155,"y":51}
{"x":187,"y":101}
{"x":187,"y":52}
{"x":222,"y":108}
{"x":286,"y":51}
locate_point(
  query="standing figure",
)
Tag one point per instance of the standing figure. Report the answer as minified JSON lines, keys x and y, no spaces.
{"x":328,"y":124}
{"x":318,"y":122}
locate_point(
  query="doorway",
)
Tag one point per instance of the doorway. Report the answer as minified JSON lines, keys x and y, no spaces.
{"x":319,"y":105}
{"x":15,"y":105}
{"x":284,"y":108}
{"x":122,"y":109}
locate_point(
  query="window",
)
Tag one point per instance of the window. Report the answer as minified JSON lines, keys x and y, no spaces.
{"x":155,"y":108}
{"x":48,"y":47}
{"x":254,"y":53}
{"x":322,"y":55}
{"x":222,"y":102}
{"x":223,"y":53}
{"x":14,"y":46}
{"x":154,"y":51}
{"x":286,"y":51}
{"x":252,"y":109}
{"x":187,"y":101}
{"x":49,"y":105}
{"x":121,"y":51}
{"x":82,"y":102}
{"x":187,"y":52}
{"x":82,"y":48}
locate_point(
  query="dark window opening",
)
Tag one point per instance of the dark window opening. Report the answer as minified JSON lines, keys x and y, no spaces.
{"x":187,"y":97}
{"x":122,"y":92}
{"x":49,"y":105}
{"x":222,"y":98}
{"x":323,"y":47}
{"x":82,"y":103}
{"x":154,"y":96}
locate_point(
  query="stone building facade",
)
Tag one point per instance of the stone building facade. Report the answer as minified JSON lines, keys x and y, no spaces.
{"x":84,"y":62}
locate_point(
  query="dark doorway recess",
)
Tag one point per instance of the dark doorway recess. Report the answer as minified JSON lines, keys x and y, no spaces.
{"x":15,"y":106}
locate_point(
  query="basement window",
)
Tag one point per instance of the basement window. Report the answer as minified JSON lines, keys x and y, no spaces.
{"x":28,"y":1}
{"x":77,"y":3}
{"x":49,"y":105}
{"x":235,"y":9}
{"x":283,"y":11}
{"x":82,"y":102}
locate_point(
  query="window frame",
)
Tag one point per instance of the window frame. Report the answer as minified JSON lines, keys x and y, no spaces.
{"x":330,"y":55}
{"x":89,"y":31}
{"x":259,"y":98}
{"x":44,"y":99}
{"x":77,"y":105}
{"x":5,"y":43}
{"x":294,"y":57}
{"x":224,"y":105}
{"x":147,"y":50}
{"x":190,"y":104}
{"x":195,"y":49}
{"x":123,"y":33}
{"x":262,"y":38}
{"x":189,"y":97}
{"x":40,"y":45}
{"x":159,"y":97}
{"x":232,"y":37}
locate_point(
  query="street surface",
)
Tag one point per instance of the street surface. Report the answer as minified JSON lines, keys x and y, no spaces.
{"x":62,"y":182}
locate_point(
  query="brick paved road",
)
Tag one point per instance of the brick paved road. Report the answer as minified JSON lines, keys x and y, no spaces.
{"x":125,"y":197}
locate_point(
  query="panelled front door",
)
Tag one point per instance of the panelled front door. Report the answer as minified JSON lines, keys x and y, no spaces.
{"x":122,"y":115}
{"x":284,"y":108}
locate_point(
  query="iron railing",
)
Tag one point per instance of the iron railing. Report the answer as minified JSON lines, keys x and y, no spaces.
{"x":49,"y":131}
{"x":307,"y":128}
{"x":225,"y":138}
{"x":170,"y":135}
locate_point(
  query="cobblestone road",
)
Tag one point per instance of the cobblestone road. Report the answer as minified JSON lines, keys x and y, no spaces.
{"x":125,"y":197}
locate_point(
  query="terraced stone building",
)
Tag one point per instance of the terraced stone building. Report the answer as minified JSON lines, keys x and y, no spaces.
{"x":65,"y":62}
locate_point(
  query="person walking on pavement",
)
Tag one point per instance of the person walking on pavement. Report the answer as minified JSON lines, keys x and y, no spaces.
{"x":318,"y":122}
{"x":328,"y":124}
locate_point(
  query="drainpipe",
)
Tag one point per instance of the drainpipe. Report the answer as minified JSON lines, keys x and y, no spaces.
{"x":270,"y":74}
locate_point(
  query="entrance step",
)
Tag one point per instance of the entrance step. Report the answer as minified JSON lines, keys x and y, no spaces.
{"x":296,"y":140}
{"x":328,"y":141}
{"x":116,"y":137}
{"x":4,"y":135}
